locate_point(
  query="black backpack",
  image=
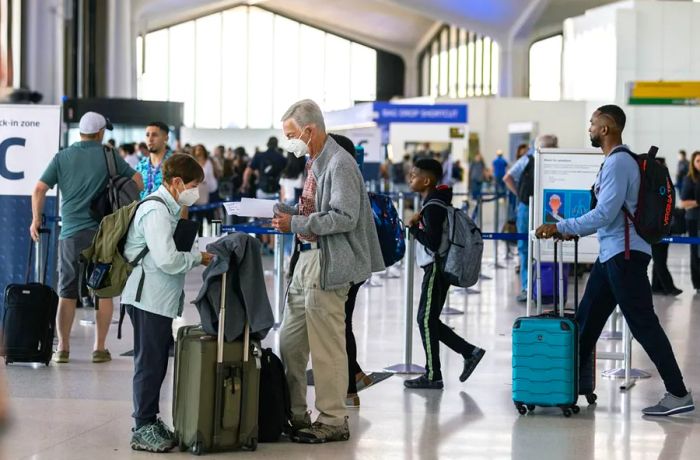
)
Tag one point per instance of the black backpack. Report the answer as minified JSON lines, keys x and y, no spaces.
{"x":275,"y":410}
{"x":526,"y":186}
{"x":269,"y":177}
{"x":655,"y":202}
{"x":118,"y":191}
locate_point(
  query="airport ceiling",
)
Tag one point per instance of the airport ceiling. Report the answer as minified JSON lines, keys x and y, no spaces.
{"x":397,"y":26}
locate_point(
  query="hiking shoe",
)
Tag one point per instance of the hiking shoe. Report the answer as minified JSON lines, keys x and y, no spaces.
{"x":363,"y":381}
{"x":61,"y":357}
{"x":671,"y":405}
{"x":522,"y":298}
{"x":352,"y":400}
{"x":150,"y":439}
{"x":471,"y":362}
{"x":101,"y":356}
{"x":300,"y":423}
{"x":166,"y":432}
{"x":424,"y":383}
{"x":320,"y":433}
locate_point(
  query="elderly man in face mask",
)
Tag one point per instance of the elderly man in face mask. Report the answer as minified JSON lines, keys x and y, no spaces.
{"x":338,"y":247}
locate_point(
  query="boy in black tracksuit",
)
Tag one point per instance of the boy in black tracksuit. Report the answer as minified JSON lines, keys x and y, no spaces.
{"x":428,"y":228}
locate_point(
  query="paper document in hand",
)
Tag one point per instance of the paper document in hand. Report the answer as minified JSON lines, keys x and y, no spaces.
{"x":251,"y":207}
{"x":232,"y":208}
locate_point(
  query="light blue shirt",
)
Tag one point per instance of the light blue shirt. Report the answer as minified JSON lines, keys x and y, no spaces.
{"x":519,"y":167}
{"x":617,"y":184}
{"x":165,"y":267}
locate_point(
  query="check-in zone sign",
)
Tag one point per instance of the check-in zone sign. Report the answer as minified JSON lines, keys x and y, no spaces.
{"x":29,"y":138}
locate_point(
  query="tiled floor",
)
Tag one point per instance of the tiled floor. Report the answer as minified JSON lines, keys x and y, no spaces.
{"x":82,"y":410}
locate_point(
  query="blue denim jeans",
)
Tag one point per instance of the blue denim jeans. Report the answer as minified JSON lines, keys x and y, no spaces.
{"x":522,"y":222}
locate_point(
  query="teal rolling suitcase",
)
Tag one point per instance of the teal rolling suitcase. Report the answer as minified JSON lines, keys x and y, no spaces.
{"x":546,"y":361}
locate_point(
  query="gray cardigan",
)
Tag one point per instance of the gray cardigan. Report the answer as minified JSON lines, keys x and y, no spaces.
{"x":343,"y":220}
{"x":238,"y":255}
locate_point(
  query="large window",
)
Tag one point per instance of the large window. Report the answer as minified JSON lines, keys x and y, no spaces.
{"x":545,"y":69}
{"x":243,"y":67}
{"x":459,"y":63}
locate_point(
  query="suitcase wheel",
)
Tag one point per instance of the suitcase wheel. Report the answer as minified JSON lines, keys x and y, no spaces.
{"x":591,"y":398}
{"x":522,"y":410}
{"x":567,"y":412}
{"x":251,"y":445}
{"x":530,"y":407}
{"x":575,"y":409}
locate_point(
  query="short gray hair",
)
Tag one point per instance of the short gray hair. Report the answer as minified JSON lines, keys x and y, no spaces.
{"x":547,"y":141}
{"x":305,"y":113}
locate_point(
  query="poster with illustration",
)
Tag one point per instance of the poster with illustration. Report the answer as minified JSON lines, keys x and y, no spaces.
{"x":564,"y":204}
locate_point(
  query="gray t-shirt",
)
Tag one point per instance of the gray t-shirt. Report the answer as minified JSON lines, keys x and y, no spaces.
{"x":81,"y":173}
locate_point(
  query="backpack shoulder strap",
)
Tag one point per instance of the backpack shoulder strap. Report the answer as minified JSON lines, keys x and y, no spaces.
{"x":144,"y":251}
{"x":111,"y":161}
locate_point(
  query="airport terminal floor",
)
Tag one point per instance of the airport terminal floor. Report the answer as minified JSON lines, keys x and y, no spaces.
{"x":82,"y":410}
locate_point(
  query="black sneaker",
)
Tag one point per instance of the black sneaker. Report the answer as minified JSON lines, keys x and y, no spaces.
{"x":471,"y":362}
{"x":424,"y":383}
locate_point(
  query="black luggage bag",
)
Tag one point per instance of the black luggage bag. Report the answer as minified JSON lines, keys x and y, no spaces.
{"x":29,"y":316}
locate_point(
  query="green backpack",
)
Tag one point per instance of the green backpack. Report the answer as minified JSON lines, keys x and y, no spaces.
{"x":106,"y":268}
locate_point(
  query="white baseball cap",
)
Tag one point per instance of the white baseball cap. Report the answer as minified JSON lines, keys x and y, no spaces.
{"x":93,"y":122}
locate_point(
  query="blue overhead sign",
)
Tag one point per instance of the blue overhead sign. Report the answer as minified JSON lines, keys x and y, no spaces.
{"x":386,"y":112}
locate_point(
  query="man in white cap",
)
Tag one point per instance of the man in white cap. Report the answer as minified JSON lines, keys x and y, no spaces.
{"x":80,"y":171}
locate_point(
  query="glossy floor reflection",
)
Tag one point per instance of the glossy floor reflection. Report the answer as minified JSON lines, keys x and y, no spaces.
{"x":82,"y":410}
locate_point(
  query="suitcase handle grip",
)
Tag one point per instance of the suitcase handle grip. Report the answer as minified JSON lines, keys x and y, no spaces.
{"x":40,"y":277}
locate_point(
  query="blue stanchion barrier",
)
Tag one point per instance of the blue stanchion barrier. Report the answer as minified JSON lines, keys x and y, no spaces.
{"x":523,"y":236}
{"x":254,"y":228}
{"x":206,"y":207}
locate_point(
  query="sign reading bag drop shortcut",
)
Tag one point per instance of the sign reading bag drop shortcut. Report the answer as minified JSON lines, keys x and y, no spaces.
{"x":29,"y":138}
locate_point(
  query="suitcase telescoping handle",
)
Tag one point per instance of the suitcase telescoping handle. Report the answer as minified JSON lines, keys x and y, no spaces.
{"x":40,"y":265}
{"x":559,"y":267}
{"x":220,"y":341}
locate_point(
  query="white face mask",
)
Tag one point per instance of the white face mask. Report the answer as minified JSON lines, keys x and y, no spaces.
{"x":298,"y":147}
{"x":188,"y":196}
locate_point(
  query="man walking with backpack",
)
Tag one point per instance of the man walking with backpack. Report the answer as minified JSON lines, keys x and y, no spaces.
{"x":267,"y":167}
{"x":428,"y":227}
{"x":80,"y":171}
{"x":619,"y":276}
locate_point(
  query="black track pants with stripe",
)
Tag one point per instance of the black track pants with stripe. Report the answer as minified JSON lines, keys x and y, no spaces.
{"x":432,"y":330}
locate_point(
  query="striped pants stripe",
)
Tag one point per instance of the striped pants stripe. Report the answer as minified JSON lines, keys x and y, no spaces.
{"x":432,"y":330}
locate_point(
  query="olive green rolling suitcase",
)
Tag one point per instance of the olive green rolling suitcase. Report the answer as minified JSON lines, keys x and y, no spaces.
{"x":215,"y":401}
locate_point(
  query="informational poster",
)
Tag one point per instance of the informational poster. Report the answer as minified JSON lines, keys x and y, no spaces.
{"x":29,"y":138}
{"x":563,"y":181}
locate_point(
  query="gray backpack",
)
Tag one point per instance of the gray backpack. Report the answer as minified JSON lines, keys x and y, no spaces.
{"x":461,"y":261}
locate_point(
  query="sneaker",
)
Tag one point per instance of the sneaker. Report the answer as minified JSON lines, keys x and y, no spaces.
{"x":101,"y":356}
{"x":363,"y":381}
{"x":300,"y":423}
{"x":150,"y":439}
{"x":671,"y":405}
{"x":166,"y":432}
{"x":320,"y":433}
{"x":424,"y":383}
{"x":352,"y":400}
{"x":61,"y":357}
{"x":522,"y":298}
{"x":471,"y":362}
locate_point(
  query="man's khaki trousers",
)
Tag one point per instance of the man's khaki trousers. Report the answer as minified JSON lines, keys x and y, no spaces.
{"x":315,"y":322}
